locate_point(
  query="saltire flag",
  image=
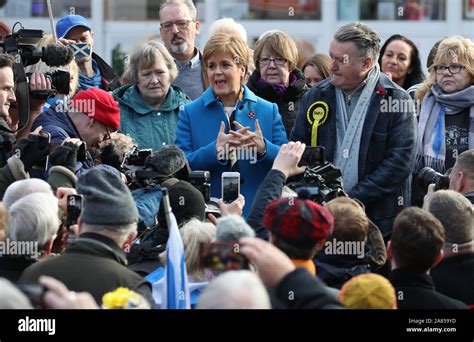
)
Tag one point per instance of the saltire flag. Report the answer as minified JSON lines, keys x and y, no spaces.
{"x":175,"y":284}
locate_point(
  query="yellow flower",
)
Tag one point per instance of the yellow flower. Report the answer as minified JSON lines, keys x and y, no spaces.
{"x":122,"y":298}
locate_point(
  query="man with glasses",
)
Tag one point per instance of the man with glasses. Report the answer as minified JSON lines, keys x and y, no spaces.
{"x":179,"y":28}
{"x":92,"y":115}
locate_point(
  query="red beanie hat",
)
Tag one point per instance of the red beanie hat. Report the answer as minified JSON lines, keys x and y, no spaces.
{"x":99,"y":105}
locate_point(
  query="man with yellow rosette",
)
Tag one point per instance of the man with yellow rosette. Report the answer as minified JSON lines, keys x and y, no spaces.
{"x":371,"y":142}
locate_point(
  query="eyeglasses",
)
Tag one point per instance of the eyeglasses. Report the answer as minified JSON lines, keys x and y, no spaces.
{"x":180,"y":24}
{"x":453,"y":68}
{"x":266,"y":61}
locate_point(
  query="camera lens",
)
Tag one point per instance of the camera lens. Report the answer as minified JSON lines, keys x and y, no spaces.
{"x":428,"y":176}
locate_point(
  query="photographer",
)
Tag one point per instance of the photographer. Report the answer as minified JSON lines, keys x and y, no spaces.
{"x":461,"y":178}
{"x":93,"y":116}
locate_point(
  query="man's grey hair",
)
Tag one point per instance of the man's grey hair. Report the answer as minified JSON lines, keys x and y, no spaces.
{"x":116,"y":232}
{"x":188,"y":3}
{"x":455,"y":213}
{"x":232,"y":228}
{"x":34,"y":218}
{"x":235,"y":290}
{"x":366,"y":40}
{"x":24,"y":187}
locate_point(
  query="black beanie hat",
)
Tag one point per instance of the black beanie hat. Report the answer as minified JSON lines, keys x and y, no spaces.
{"x":186,"y":203}
{"x":107,"y":200}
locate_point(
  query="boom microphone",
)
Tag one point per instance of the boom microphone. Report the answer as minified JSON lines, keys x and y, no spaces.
{"x":56,"y":55}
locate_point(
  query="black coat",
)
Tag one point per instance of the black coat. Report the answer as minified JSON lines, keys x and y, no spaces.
{"x":417,"y":292}
{"x":93,"y":263}
{"x":454,"y":277}
{"x":11,"y":267}
{"x":289,"y":103}
{"x":301,"y":290}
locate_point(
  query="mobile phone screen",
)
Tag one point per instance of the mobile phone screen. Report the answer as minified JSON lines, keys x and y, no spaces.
{"x":222,"y":256}
{"x":230,"y":188}
{"x":44,"y":140}
{"x":74,"y":207}
{"x":313,"y":156}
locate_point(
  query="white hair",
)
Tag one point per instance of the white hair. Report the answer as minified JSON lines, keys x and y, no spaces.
{"x":232,"y":228}
{"x":235,"y":290}
{"x":34,"y":218}
{"x":22,"y":188}
{"x":193,"y":233}
{"x":229,"y":26}
{"x":11,"y":297}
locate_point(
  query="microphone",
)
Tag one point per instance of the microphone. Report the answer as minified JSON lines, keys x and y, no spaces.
{"x":56,"y":55}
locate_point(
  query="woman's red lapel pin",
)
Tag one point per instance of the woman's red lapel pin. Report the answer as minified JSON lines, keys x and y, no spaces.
{"x":251,"y":114}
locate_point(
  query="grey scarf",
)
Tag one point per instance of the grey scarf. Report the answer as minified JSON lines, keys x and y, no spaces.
{"x":349,"y":132}
{"x":431,"y":148}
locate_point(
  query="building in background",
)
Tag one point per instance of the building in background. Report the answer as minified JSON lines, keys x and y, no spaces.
{"x":126,"y":22}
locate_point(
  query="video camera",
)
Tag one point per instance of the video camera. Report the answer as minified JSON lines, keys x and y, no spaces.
{"x":321,"y":179}
{"x":22,"y":45}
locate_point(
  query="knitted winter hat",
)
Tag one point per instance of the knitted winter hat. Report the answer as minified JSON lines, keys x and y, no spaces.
{"x":368,"y":291}
{"x":99,"y":105}
{"x":107,"y":200}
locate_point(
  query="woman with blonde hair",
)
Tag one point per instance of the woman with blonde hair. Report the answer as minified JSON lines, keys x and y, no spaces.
{"x":447,"y":109}
{"x":229,"y":128}
{"x":446,"y":122}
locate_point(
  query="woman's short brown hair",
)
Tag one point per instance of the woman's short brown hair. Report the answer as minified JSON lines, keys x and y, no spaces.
{"x":278,"y":43}
{"x":321,"y":62}
{"x":223,"y":43}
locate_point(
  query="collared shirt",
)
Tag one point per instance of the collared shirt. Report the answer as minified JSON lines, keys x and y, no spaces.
{"x":350,"y":101}
{"x":190,"y":77}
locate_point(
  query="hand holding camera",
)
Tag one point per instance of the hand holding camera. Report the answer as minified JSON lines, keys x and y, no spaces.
{"x":67,"y":154}
{"x":33,"y":150}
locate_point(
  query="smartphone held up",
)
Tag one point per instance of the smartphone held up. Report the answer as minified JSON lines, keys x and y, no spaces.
{"x":230,"y":186}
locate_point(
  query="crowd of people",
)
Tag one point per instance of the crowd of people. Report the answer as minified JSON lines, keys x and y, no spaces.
{"x":165,"y":132}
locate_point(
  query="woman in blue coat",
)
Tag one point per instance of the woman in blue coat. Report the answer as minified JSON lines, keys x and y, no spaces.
{"x":229,"y":128}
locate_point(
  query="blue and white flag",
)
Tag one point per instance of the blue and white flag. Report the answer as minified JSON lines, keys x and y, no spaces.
{"x":175,"y":284}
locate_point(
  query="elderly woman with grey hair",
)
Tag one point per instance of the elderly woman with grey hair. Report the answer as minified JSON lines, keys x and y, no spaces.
{"x":149,"y":106}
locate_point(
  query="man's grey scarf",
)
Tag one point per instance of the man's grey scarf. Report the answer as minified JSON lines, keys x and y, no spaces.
{"x":431,"y":148}
{"x":349,"y":131}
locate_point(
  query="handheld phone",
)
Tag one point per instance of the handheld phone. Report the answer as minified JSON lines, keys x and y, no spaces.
{"x":74,"y":207}
{"x":230,"y":186}
{"x":81,"y":50}
{"x":34,"y":292}
{"x":313,"y":156}
{"x":44,"y":140}
{"x":222,"y":256}
{"x":81,"y":152}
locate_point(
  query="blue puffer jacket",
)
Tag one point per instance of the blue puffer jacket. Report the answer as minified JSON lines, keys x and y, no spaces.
{"x":198,"y":126}
{"x":149,"y":128}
